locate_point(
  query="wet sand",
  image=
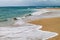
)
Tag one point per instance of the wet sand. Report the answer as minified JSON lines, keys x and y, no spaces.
{"x":49,"y":24}
{"x":53,"y":8}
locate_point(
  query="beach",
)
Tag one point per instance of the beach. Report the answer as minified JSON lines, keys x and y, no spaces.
{"x":50,"y":22}
{"x":39,"y":25}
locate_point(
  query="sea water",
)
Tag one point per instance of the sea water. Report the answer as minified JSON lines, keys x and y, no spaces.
{"x":6,"y":13}
{"x":12,"y":12}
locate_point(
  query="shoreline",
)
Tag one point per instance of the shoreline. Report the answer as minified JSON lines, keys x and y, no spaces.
{"x":50,"y":22}
{"x":48,"y":14}
{"x":42,"y":15}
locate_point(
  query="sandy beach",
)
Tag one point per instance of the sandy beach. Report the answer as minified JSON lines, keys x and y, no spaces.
{"x":50,"y":22}
{"x":43,"y":24}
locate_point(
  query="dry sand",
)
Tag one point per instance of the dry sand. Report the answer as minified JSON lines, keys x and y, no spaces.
{"x":50,"y":24}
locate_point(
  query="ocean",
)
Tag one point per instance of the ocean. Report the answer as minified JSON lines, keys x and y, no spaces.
{"x":7,"y":13}
{"x":11,"y":12}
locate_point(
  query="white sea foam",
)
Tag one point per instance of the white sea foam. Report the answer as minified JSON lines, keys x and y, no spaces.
{"x":19,"y":22}
{"x":25,"y":32}
{"x":41,"y":11}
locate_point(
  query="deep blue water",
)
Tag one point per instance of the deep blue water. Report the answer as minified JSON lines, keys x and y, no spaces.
{"x":9,"y":12}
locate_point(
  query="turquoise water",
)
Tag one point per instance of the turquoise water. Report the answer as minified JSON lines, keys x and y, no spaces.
{"x":10,"y":12}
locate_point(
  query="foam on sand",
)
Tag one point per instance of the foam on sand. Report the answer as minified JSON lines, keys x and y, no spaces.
{"x":39,"y":12}
{"x":25,"y":32}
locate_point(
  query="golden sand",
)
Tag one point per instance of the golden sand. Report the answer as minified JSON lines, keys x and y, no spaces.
{"x":50,"y":24}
